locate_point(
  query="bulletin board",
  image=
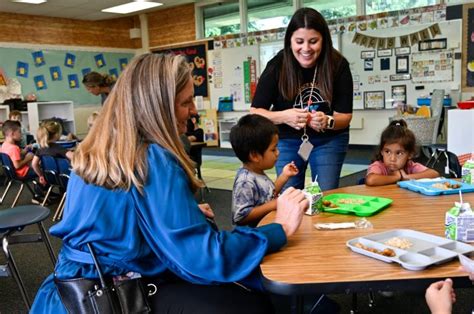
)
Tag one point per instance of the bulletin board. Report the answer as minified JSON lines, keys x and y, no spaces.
{"x":57,"y":74}
{"x":227,"y":74}
{"x":390,"y":71}
{"x":196,"y":54}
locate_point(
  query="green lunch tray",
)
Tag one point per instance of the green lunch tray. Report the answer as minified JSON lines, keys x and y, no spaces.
{"x":353,"y":204}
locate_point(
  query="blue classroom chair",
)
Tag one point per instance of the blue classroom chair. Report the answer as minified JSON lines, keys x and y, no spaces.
{"x":64,"y":168}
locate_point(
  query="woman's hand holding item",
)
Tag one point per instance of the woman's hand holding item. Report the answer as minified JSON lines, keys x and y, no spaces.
{"x":318,"y":121}
{"x":440,"y":297}
{"x":206,"y":210}
{"x":296,"y":118}
{"x":291,"y":206}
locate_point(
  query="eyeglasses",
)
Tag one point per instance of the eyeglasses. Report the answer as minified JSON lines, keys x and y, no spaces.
{"x":398,"y":154}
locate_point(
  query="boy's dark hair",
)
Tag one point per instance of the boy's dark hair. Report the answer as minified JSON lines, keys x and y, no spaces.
{"x":397,"y":132}
{"x":252,"y":134}
{"x":10,"y":126}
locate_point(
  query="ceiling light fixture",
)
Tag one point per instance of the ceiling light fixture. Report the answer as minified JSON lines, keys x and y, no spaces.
{"x":30,"y":1}
{"x":137,"y":5}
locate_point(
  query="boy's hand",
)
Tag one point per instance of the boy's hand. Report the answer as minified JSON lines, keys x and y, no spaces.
{"x":290,"y":170}
{"x":42,"y":180}
{"x":29,"y":156}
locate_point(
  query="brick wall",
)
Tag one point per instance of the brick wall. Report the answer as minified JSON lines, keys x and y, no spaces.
{"x":172,"y":26}
{"x":34,"y":29}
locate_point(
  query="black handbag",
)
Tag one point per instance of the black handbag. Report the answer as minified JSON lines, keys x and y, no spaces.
{"x":104,"y":296}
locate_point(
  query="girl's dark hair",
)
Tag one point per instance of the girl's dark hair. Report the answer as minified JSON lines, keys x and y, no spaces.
{"x":397,"y":132}
{"x":252,"y":134}
{"x":290,"y":79}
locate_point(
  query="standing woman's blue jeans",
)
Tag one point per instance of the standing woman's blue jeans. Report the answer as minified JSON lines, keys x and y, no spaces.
{"x":325,"y":160}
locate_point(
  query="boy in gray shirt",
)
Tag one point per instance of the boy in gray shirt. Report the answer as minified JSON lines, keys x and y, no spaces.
{"x":254,"y":140}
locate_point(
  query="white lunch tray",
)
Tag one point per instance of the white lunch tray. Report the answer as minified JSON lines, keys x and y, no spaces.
{"x":426,"y":249}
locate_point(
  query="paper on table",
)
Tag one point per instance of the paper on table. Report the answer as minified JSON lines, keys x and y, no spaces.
{"x":467,"y":263}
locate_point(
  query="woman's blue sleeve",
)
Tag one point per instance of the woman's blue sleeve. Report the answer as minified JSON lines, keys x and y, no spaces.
{"x":178,"y":233}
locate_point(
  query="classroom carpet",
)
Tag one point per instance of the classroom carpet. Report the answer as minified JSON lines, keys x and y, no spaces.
{"x":219,"y":171}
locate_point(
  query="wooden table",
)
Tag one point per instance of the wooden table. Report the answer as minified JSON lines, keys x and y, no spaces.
{"x":316,"y":261}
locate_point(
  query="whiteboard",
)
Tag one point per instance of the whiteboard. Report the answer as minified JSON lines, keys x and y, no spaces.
{"x":379,"y":80}
{"x":226,"y":74}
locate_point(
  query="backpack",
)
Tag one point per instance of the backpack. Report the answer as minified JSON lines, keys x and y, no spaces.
{"x":443,"y":161}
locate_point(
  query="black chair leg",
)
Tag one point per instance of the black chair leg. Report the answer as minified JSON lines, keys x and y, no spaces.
{"x":14,"y":271}
{"x":47,"y":243}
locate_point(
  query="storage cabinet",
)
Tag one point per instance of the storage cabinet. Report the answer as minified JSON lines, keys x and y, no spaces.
{"x":39,"y":111}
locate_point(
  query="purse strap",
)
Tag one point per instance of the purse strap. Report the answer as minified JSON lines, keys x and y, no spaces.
{"x":97,"y":266}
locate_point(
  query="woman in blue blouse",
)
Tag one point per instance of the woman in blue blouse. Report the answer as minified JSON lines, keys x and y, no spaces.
{"x":131,"y":196}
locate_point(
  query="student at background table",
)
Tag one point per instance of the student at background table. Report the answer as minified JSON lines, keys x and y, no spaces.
{"x":393,"y":161}
{"x":132,"y":170}
{"x":98,"y":84}
{"x":308,"y":85}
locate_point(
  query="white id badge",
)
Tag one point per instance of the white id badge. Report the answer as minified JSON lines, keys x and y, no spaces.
{"x":305,"y":150}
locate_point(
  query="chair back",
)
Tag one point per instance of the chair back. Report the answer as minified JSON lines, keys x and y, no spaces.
{"x":8,"y":167}
{"x":64,"y":168}
{"x":50,"y":169}
{"x":437,"y":98}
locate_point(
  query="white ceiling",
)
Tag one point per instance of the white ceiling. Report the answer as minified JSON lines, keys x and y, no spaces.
{"x":78,"y":9}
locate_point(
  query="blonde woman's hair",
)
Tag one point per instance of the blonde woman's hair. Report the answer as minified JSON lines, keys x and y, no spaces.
{"x":48,"y":131}
{"x":139,"y":111}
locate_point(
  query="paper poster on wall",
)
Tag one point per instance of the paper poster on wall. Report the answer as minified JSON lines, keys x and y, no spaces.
{"x":40,"y":82}
{"x":38,"y":58}
{"x":114,"y":73}
{"x":123,"y":63}
{"x":56,"y":74}
{"x":73,"y":81}
{"x":85,"y":71}
{"x":100,"y":60}
{"x":3,"y":78}
{"x":432,"y":66}
{"x":196,"y":55}
{"x":468,"y":48}
{"x":70,"y":60}
{"x":22,"y":69}
{"x":236,"y":92}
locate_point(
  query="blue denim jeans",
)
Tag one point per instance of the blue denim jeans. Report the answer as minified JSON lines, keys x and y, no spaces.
{"x":325,"y":160}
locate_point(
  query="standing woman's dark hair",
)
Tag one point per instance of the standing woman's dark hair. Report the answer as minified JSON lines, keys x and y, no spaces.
{"x":97,"y":79}
{"x":397,"y":132}
{"x":290,"y":80}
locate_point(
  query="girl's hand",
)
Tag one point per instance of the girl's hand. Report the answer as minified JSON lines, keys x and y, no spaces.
{"x":290,"y":170}
{"x":42,"y":180}
{"x":440,"y":297}
{"x":291,"y":206}
{"x":318,"y":121}
{"x":206,"y":210}
{"x":296,"y":118}
{"x":404,"y":176}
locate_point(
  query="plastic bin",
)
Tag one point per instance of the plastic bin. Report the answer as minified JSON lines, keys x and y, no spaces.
{"x":427,"y":102}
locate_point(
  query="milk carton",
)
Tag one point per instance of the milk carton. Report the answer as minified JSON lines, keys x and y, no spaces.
{"x":315,"y":197}
{"x":459,"y":223}
{"x":467,"y":172}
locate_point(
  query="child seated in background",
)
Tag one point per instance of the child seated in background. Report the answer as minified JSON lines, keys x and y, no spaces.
{"x":393,"y":161}
{"x":21,"y":160}
{"x":254,"y":140}
{"x":48,"y":133}
{"x":91,"y":119}
{"x":15,"y":115}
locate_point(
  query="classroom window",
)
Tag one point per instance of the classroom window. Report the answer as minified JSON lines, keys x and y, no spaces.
{"x":376,"y":6}
{"x":221,"y":19}
{"x":268,"y":14}
{"x":333,"y":9}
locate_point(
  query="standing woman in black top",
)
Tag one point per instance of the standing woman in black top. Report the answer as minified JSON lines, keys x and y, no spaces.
{"x":306,"y":90}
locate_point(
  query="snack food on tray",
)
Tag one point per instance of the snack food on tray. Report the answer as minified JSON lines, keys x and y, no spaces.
{"x":400,"y":243}
{"x":315,"y":196}
{"x":385,"y":252}
{"x":446,"y":185}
